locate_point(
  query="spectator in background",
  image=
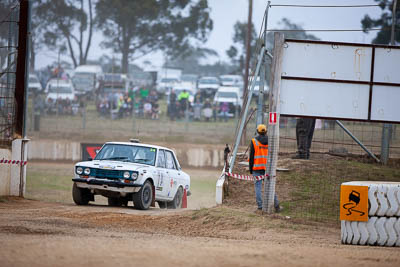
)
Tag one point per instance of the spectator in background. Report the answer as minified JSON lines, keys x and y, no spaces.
{"x":147,"y":109}
{"x":304,"y":134}
{"x":207,"y":110}
{"x":171,"y":109}
{"x":197,"y":105}
{"x":144,"y":93}
{"x":183,"y":99}
{"x":215,"y":111}
{"x":224,"y":109}
{"x":154,"y":111}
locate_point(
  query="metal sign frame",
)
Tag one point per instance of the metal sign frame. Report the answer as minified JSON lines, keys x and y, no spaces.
{"x":372,"y":84}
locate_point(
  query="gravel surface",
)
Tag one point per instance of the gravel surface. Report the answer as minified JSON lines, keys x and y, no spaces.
{"x":34,"y":233}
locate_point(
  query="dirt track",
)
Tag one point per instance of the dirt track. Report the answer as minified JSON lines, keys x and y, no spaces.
{"x":34,"y":233}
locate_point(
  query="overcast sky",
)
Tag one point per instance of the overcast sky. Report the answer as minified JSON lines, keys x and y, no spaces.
{"x":225,"y":13}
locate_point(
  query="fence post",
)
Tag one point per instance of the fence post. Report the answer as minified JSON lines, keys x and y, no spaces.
{"x":273,"y":128}
{"x":22,"y":73}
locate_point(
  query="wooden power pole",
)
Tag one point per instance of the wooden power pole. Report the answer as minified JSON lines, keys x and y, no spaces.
{"x":248,"y":48}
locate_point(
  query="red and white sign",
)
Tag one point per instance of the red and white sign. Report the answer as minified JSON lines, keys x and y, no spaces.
{"x":272,"y":118}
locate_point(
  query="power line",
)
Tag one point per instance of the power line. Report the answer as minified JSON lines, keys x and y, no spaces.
{"x":344,"y":6}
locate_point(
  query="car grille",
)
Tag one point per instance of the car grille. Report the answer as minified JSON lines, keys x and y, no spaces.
{"x":100,"y":173}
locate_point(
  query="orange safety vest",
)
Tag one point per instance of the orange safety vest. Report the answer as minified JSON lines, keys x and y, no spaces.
{"x":260,"y":155}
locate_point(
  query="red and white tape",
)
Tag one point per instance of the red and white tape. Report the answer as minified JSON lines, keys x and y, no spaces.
{"x":16,"y":162}
{"x":246,"y":177}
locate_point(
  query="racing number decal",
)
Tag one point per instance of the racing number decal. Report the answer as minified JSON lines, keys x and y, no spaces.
{"x":160,"y":179}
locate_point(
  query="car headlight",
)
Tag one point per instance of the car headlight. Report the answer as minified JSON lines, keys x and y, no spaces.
{"x":127,"y":175}
{"x":134,"y":175}
{"x":86,"y":171}
{"x":79,"y":170}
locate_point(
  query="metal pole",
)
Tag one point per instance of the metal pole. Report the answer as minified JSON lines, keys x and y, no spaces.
{"x":392,"y":41}
{"x":273,"y":129}
{"x":22,"y":69}
{"x":260,"y":112}
{"x":357,"y":141}
{"x":248,"y":46}
{"x":387,"y":128}
{"x":246,"y":110}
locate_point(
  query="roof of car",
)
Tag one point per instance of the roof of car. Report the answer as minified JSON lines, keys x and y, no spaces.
{"x":228,"y":89}
{"x":209,"y":77}
{"x":137,"y":144}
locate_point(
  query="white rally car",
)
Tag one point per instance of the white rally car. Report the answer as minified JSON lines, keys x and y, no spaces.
{"x":123,"y":172}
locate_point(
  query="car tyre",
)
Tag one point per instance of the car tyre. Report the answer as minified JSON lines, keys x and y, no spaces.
{"x":81,"y":196}
{"x":176,"y":203}
{"x":143,"y":199}
{"x":114,"y":202}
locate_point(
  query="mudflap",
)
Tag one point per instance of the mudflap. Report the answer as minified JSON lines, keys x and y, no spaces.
{"x":184,"y":199}
{"x":153,"y":203}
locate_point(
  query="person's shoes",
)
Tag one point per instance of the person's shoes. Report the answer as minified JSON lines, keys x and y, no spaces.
{"x":300,"y":156}
{"x":278,"y":209}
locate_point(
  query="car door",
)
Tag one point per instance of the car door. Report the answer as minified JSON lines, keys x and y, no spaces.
{"x":172,"y":173}
{"x":162,"y":185}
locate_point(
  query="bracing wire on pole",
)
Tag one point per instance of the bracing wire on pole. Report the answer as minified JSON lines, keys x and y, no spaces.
{"x":328,"y":30}
{"x":326,"y":6}
{"x":253,"y":68}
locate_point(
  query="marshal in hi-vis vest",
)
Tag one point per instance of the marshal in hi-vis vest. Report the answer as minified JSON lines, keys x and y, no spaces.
{"x":260,"y":155}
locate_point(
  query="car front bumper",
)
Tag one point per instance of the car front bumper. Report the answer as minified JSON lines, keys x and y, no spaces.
{"x":106,"y":184}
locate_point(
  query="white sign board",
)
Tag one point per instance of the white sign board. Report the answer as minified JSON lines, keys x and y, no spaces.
{"x":340,"y":81}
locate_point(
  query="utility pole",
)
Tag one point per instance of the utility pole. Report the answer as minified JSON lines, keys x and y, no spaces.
{"x":388,"y":128}
{"x":248,"y":43}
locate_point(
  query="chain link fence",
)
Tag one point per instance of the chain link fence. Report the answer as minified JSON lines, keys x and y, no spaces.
{"x":309,"y":190}
{"x":9,"y":21}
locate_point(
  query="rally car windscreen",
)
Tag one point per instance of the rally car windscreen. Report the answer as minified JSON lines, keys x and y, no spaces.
{"x":127,"y":153}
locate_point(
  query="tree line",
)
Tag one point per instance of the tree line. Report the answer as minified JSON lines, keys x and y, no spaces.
{"x":134,"y":28}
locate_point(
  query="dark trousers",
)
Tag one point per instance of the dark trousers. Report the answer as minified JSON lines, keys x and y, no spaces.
{"x":304,"y":134}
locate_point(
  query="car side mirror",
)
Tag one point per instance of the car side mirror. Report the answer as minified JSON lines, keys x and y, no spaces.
{"x":90,"y":159}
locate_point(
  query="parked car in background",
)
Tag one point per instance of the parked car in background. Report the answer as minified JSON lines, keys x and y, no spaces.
{"x":231,"y":80}
{"x":208,"y":85}
{"x":230,"y":95}
{"x":165,"y":84}
{"x":114,"y":83}
{"x":86,"y":78}
{"x":190,"y":79}
{"x":60,"y":89}
{"x":124,"y":172}
{"x":34,"y":85}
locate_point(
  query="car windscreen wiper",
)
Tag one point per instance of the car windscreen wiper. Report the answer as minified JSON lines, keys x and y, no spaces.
{"x":115,"y":158}
{"x":141,"y":160}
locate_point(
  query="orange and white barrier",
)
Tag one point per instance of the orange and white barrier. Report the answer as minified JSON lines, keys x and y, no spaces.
{"x":246,"y":177}
{"x":16,"y":162}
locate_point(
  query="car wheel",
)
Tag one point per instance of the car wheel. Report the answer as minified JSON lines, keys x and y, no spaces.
{"x":177,"y":202}
{"x":114,"y":202}
{"x":143,"y":199}
{"x":81,"y":196}
{"x":162,"y":204}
